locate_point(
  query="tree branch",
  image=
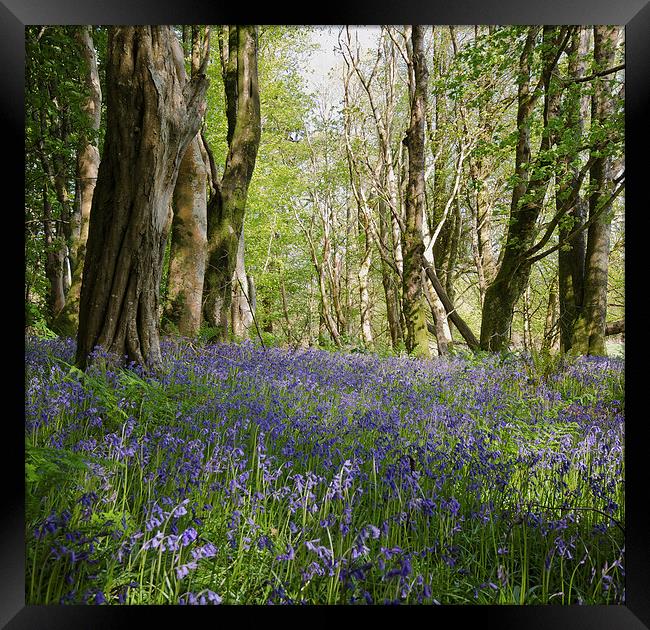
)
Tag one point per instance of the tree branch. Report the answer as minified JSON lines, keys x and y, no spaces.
{"x":577,"y":231}
{"x":452,"y":313}
{"x":602,"y":73}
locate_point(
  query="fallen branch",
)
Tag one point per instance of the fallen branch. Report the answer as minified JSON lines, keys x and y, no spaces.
{"x":615,"y":328}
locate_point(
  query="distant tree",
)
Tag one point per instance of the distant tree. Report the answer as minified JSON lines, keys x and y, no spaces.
{"x":152,"y":115}
{"x":571,"y":257}
{"x":86,"y":179}
{"x":375,"y":188}
{"x":54,"y":119}
{"x":361,"y":198}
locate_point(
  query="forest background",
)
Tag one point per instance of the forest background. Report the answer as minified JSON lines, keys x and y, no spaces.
{"x":520,"y":234}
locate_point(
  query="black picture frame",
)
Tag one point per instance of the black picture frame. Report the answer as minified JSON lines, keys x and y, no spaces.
{"x":634,"y":14}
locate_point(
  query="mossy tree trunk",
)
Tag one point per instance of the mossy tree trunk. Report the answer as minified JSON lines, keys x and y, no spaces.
{"x":589,"y":329}
{"x":188,"y":246}
{"x":152,"y":115}
{"x":571,"y":257}
{"x":238,"y":45}
{"x":417,"y":341}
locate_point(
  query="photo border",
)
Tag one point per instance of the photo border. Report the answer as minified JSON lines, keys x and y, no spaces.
{"x":634,"y":14}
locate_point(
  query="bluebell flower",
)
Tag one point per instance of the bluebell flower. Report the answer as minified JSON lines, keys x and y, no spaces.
{"x":188,"y":536}
{"x":184,"y":569}
{"x":288,"y":555}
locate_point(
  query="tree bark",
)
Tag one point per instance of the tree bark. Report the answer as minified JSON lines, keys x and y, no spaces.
{"x":571,"y":257}
{"x":589,"y":331}
{"x":241,"y":316}
{"x":227,"y":207}
{"x":417,"y":342}
{"x":187,"y":260}
{"x":87,"y":168}
{"x":188,"y":245}
{"x":153,"y":114}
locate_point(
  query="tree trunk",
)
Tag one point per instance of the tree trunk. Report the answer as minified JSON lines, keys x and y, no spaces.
{"x":464,"y":330}
{"x":363,"y":211}
{"x":482,"y":233}
{"x":551,"y":323}
{"x":242,"y":313}
{"x":87,"y":168}
{"x":183,"y":308}
{"x":589,"y":335}
{"x":54,"y":258}
{"x":153,"y":114}
{"x":226,"y":209}
{"x":285,"y":310}
{"x":528,"y":332}
{"x":188,"y":245}
{"x":327,"y":320}
{"x":456,"y":221}
{"x":440,"y":322}
{"x":571,"y":257}
{"x":390,"y":279}
{"x":615,"y":328}
{"x":527,"y":196}
{"x":53,"y":229}
{"x":417,"y":342}
{"x":444,"y":339}
{"x":335,"y":276}
{"x":267,"y":306}
{"x":365,"y":307}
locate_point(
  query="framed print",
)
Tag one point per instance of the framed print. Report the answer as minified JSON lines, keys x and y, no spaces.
{"x":490,"y":137}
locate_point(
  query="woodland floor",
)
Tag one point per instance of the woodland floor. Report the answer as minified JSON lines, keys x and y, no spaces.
{"x":251,"y":475}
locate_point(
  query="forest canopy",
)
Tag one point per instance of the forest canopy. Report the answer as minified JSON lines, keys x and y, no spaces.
{"x":442,"y":188}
